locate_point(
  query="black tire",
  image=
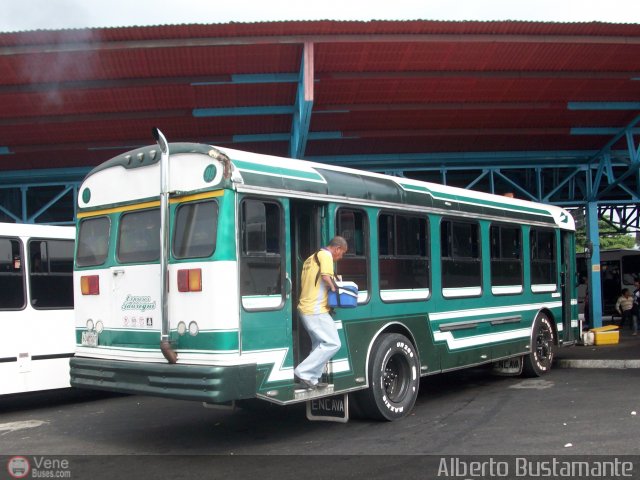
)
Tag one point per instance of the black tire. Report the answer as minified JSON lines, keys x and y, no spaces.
{"x":394,"y":379}
{"x":539,"y":361}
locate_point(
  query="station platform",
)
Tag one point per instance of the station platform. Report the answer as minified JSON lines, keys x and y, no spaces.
{"x":625,"y":354}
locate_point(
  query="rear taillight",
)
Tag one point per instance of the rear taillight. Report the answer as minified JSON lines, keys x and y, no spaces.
{"x":90,"y":284}
{"x":190,"y":280}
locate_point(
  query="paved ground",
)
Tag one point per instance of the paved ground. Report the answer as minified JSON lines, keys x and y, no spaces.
{"x":589,"y":406}
{"x":569,"y":412}
{"x":625,"y":354}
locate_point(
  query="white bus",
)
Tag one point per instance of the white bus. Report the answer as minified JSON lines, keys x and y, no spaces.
{"x":37,"y":334}
{"x":619,"y":268}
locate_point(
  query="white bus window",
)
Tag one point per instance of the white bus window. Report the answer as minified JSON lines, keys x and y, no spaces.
{"x":261,"y":261}
{"x":51,"y":273}
{"x":461,"y":265}
{"x":403,"y":262}
{"x":630,"y":269}
{"x":12,"y":292}
{"x":93,"y":242}
{"x":352,"y":225}
{"x":139,"y":236}
{"x":506,"y":259}
{"x":543,"y":260}
{"x":194,"y":235}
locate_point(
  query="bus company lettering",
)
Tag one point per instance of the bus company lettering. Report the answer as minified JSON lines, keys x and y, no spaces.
{"x":138,"y":302}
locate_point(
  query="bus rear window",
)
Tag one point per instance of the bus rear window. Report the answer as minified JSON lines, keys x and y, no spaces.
{"x":139,"y":236}
{"x":194,"y":235}
{"x":93,"y":242}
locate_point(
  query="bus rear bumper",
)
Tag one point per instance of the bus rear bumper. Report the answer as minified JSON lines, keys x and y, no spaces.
{"x":206,"y":383}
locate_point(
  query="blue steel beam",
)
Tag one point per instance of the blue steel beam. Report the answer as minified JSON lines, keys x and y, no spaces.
{"x":516,"y":186}
{"x":597,"y":131}
{"x":50,"y":203}
{"x":477,"y":179}
{"x":304,"y":104}
{"x":558,"y":187}
{"x":603,"y":105}
{"x":10,"y":214}
{"x":250,"y":78}
{"x":243,"y":111}
{"x":43,"y":177}
{"x":634,"y":157}
{"x":594,"y":280}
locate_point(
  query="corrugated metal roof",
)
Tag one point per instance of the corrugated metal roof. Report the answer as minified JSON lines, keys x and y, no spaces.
{"x":78,"y":97}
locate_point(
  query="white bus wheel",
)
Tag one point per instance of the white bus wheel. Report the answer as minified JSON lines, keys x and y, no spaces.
{"x":539,"y":360}
{"x":394,"y":379}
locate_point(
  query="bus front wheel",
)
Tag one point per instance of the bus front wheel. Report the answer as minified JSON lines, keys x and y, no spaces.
{"x":539,"y":360}
{"x":394,"y":379}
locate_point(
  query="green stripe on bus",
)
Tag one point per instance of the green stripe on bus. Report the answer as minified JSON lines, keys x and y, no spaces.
{"x":206,"y":341}
{"x":280,"y":171}
{"x":488,"y":203}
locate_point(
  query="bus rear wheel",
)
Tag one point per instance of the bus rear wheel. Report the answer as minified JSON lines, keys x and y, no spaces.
{"x":393,"y":379}
{"x":539,"y":360}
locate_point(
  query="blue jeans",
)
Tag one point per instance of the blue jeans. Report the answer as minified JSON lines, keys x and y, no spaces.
{"x":325,"y":343}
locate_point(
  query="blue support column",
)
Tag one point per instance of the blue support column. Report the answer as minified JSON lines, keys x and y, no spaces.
{"x":593,"y":266}
{"x":304,"y":104}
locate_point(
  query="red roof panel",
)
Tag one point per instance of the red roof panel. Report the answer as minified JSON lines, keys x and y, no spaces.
{"x":379,"y":87}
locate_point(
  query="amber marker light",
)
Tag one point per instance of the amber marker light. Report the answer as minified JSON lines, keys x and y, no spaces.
{"x":90,"y":285}
{"x":190,"y":280}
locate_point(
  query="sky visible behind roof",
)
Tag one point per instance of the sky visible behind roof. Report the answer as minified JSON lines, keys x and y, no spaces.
{"x":20,"y":15}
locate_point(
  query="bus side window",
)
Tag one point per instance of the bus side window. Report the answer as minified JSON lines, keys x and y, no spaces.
{"x":51,"y":273}
{"x":461,"y":265}
{"x":403,"y":255}
{"x":12,"y":291}
{"x":354,"y":266}
{"x":543,"y":260}
{"x":261,"y":260}
{"x":506,"y":259}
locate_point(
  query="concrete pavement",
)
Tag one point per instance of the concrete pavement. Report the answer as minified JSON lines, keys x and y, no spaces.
{"x":625,"y":354}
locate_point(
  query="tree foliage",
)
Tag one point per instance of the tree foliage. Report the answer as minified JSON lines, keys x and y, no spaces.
{"x":610,"y":238}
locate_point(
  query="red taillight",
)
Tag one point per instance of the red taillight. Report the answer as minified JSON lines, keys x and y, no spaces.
{"x":190,"y":280}
{"x":90,"y":285}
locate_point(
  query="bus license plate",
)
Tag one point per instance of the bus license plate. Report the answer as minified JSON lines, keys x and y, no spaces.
{"x":90,"y":339}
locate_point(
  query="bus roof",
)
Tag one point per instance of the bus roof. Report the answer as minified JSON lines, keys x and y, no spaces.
{"x":252,"y":170}
{"x":37,"y":230}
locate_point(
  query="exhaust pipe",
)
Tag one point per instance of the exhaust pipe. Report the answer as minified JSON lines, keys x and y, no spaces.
{"x":165,"y":345}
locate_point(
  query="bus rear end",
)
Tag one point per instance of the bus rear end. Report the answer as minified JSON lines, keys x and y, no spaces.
{"x":118,"y":280}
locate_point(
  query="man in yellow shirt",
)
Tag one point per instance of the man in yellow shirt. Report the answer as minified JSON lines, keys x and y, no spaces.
{"x":313,"y":308}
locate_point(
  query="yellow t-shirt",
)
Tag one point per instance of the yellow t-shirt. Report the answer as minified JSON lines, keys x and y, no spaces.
{"x":313,"y":296}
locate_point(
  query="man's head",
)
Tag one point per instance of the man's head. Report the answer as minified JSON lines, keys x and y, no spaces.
{"x":338,"y":246}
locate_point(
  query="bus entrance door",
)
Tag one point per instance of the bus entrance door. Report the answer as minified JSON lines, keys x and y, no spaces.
{"x":568,"y":274}
{"x":306,"y":238}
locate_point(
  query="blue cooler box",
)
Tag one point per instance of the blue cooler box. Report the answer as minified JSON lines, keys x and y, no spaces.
{"x":345,"y":297}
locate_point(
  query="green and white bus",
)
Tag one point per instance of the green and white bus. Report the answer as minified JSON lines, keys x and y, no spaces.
{"x":448,"y":278}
